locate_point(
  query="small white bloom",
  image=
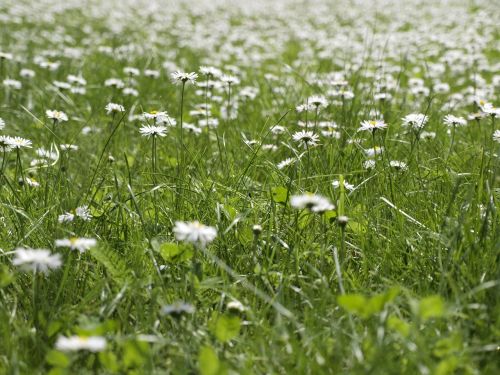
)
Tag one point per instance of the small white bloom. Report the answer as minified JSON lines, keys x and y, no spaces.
{"x":286,"y":163}
{"x":313,"y":202}
{"x":398,"y":165}
{"x":415,"y":120}
{"x":348,"y":186}
{"x":57,"y":116}
{"x":372,"y":125}
{"x":195,"y":233}
{"x":306,"y":138}
{"x":75,"y":343}
{"x":496,"y":136}
{"x":371,"y":152}
{"x":114,"y":108}
{"x":181,"y":77}
{"x":452,"y":121}
{"x":74,"y":243}
{"x":83,"y":213}
{"x":36,"y":260}
{"x":153,"y":130}
{"x":18,"y":142}
{"x":12,"y":83}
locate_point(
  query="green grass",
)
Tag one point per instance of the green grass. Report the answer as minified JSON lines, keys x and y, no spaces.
{"x":409,"y":286}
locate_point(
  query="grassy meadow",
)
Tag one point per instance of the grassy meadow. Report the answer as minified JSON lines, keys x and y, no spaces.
{"x":266,"y":187}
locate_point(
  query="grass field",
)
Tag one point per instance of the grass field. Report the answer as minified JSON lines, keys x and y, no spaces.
{"x":265,"y":187}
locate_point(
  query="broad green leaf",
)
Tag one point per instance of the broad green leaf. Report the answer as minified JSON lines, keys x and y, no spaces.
{"x":6,"y":277}
{"x":57,"y":359}
{"x":208,"y":362}
{"x":169,"y":250}
{"x":226,"y":327}
{"x":431,"y":307}
{"x":135,"y":353}
{"x":109,"y":361}
{"x":398,"y":325}
{"x":353,"y":303}
{"x":279,"y":194}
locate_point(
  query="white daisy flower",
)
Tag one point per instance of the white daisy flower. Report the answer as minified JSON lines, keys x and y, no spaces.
{"x":74,"y":243}
{"x":114,"y":82}
{"x":5,"y":143}
{"x":12,"y":83}
{"x":306,"y":138}
{"x":181,"y":77}
{"x":496,"y":136}
{"x":452,"y":121}
{"x":229,"y":79}
{"x":66,"y":217}
{"x":415,"y":120}
{"x":318,"y":101}
{"x":57,"y":116}
{"x":398,"y":165}
{"x":83,"y":213}
{"x":372,"y":125}
{"x":2,"y":124}
{"x":348,"y":186}
{"x":427,"y":135}
{"x":195,"y":233}
{"x":151,"y":73}
{"x":313,"y":202}
{"x":37,"y":260}
{"x":18,"y":142}
{"x":153,"y":130}
{"x":114,"y":108}
{"x":371,"y":152}
{"x":75,"y":343}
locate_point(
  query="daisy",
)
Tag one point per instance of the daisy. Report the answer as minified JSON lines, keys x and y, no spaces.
{"x":2,"y":124}
{"x":75,"y":343}
{"x":153,"y":130}
{"x":31,"y":182}
{"x":18,"y":142}
{"x":180,"y":77}
{"x":313,"y":202}
{"x":5,"y":145}
{"x":369,"y":164}
{"x":159,"y":118}
{"x":348,"y":186}
{"x":133,"y":72}
{"x":195,"y":233}
{"x":453,"y":121}
{"x":74,"y":243}
{"x":229,"y":79}
{"x":496,"y":136}
{"x":66,"y":217}
{"x":27,"y":73}
{"x":489,"y":109}
{"x":415,"y":120}
{"x":114,"y":82}
{"x":151,"y":73}
{"x":178,"y":308}
{"x":210,"y":71}
{"x":371,"y":152}
{"x":318,"y":101}
{"x":398,"y":165}
{"x":12,"y":83}
{"x":114,"y":108}
{"x":57,"y":116}
{"x":428,"y":135}
{"x":69,"y":147}
{"x":83,"y":213}
{"x":372,"y":125}
{"x":36,"y":260}
{"x":306,"y":138}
